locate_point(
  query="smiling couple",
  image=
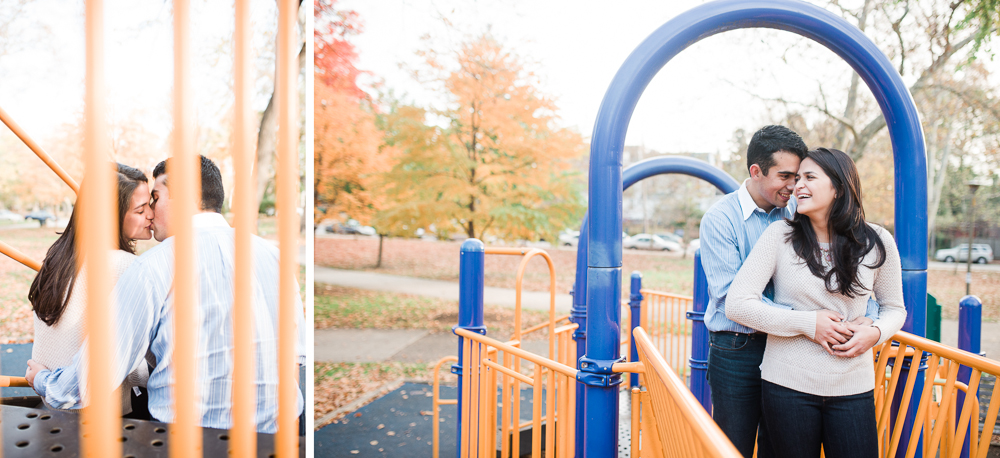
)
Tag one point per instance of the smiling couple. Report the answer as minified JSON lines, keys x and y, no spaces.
{"x":791,"y":313}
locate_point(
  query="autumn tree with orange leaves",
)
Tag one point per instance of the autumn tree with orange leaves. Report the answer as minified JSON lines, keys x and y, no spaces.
{"x":500,"y":166}
{"x":347,"y":158}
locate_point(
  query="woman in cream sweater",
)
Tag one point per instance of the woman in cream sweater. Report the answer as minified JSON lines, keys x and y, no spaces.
{"x":818,"y":375}
{"x":58,"y":294}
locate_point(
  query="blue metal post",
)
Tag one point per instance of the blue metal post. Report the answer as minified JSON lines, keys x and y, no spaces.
{"x":470,"y":310}
{"x":600,"y":395}
{"x":635,"y":313}
{"x":914,"y":290}
{"x":699,"y":337}
{"x":578,"y":314}
{"x":970,"y":329}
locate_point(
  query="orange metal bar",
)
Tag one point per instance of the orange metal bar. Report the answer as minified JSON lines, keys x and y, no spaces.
{"x":243,"y":438}
{"x":437,"y":403}
{"x":562,"y":368}
{"x":34,"y":147}
{"x":287,"y":180}
{"x":635,"y":423}
{"x":991,"y":420}
{"x":20,"y":257}
{"x":685,"y":423}
{"x":100,"y":423}
{"x":467,"y":395}
{"x":185,"y":196}
{"x":13,"y":382}
{"x":536,"y":424}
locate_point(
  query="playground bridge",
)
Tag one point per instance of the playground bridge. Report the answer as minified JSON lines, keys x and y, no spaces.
{"x":27,"y":429}
{"x":514,"y":403}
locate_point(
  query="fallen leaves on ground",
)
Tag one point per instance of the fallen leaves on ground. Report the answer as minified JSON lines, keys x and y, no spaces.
{"x":339,"y":384}
{"x":340,"y":307}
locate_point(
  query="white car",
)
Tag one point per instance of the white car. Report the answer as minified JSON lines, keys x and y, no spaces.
{"x":7,"y":215}
{"x":693,"y":246}
{"x":981,"y":253}
{"x":650,"y":242}
{"x":569,"y":238}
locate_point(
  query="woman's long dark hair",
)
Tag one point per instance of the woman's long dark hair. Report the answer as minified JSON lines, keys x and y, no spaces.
{"x":851,"y":238}
{"x":53,"y":285}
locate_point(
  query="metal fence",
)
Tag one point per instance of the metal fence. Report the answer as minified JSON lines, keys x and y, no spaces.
{"x":100,"y":424}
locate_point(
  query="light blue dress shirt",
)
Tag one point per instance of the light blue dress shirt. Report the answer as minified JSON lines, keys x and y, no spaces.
{"x":729,"y":231}
{"x":144,"y":319}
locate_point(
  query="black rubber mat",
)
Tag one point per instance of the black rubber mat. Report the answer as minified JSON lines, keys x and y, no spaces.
{"x":30,"y":432}
{"x":399,"y":424}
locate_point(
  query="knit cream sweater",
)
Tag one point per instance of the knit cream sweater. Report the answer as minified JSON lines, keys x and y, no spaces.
{"x":55,"y":345}
{"x":791,"y":358}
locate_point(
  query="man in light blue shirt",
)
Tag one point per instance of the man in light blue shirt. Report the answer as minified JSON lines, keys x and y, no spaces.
{"x":144,"y":319}
{"x":728,"y":232}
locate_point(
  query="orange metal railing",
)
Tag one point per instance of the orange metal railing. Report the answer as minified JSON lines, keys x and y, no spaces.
{"x":667,"y":420}
{"x":489,"y":365}
{"x":438,"y":402}
{"x":935,"y":420}
{"x":557,"y":334}
{"x":97,"y":227}
{"x":664,"y":317}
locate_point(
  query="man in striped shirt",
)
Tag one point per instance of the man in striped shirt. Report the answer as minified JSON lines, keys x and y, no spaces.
{"x":728,"y":232}
{"x":144,"y":319}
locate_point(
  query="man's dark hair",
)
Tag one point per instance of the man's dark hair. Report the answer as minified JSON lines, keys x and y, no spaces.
{"x":212,"y":192}
{"x":772,"y":139}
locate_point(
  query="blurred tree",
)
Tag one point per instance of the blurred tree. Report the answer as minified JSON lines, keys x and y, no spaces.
{"x":499,"y":166}
{"x":347,"y":157}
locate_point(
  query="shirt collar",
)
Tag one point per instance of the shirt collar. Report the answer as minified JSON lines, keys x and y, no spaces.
{"x":208,"y":219}
{"x":747,"y":204}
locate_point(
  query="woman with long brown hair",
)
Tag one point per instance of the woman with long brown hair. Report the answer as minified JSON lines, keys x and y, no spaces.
{"x":826,"y":263}
{"x":58,"y":295}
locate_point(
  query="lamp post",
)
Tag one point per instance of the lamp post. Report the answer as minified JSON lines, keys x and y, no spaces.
{"x":973,"y":187}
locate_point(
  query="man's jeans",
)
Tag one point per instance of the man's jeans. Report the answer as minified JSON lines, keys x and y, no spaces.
{"x":799,"y":422}
{"x":734,"y":376}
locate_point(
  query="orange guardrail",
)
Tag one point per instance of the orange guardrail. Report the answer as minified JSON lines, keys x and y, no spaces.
{"x":438,"y":402}
{"x":935,"y":420}
{"x":488,"y":366}
{"x":664,"y":317}
{"x":670,"y":420}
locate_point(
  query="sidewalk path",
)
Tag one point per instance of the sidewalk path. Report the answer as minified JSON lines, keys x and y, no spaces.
{"x":504,"y":297}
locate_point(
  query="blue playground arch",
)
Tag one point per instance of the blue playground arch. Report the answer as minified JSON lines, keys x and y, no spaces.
{"x":604,"y":250}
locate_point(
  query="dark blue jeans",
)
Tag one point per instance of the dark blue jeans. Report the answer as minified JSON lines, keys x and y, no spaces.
{"x":734,"y":376}
{"x":800,"y":422}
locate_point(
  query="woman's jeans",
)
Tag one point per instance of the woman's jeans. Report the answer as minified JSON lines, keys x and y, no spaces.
{"x":799,"y":422}
{"x":734,"y":377}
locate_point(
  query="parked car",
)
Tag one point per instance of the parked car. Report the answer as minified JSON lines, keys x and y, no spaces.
{"x":672,"y":238}
{"x":693,"y":246}
{"x":41,"y":216}
{"x":569,"y":238}
{"x":981,"y":253}
{"x":352,"y":227}
{"x":650,"y":242}
{"x":7,"y":215}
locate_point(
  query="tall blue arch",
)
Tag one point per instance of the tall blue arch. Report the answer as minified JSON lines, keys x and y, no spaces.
{"x":603,"y":290}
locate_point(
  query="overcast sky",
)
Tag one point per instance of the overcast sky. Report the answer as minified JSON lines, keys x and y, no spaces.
{"x":694,"y":104}
{"x":42,"y":86}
